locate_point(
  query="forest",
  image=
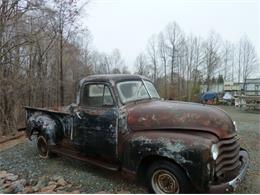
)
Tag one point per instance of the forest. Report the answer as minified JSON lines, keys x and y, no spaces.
{"x":45,"y":50}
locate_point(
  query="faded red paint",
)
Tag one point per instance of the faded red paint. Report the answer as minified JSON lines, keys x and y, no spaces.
{"x":162,"y":115}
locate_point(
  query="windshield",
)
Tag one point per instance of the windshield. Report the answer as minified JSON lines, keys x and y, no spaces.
{"x":135,"y":90}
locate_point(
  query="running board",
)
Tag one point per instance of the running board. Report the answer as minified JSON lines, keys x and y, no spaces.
{"x":111,"y":167}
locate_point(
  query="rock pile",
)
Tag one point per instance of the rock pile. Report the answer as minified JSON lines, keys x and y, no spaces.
{"x":10,"y":183}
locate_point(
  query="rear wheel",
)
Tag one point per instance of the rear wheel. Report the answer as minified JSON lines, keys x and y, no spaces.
{"x":42,"y":147}
{"x":164,"y":177}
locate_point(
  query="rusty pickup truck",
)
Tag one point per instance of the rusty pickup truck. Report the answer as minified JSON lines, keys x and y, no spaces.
{"x":120,"y":123}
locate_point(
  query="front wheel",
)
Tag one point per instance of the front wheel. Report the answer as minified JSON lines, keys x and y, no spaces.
{"x":164,"y":177}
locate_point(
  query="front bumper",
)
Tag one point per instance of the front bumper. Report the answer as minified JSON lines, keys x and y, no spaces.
{"x":233,"y":184}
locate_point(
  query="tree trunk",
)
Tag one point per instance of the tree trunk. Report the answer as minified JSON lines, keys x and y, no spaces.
{"x":61,"y":70}
{"x":165,"y":80}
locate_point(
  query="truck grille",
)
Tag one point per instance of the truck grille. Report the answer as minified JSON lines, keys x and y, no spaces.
{"x":228,"y":160}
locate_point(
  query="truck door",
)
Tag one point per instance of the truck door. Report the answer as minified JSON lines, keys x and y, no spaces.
{"x":95,"y":123}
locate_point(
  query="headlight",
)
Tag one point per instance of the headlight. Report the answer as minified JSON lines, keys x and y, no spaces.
{"x":235,"y":125}
{"x":214,"y":151}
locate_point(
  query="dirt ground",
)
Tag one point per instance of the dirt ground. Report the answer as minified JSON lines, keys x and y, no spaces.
{"x":20,"y":157}
{"x":11,"y":141}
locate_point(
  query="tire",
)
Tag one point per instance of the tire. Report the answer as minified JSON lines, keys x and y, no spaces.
{"x":164,"y":177}
{"x":42,"y":147}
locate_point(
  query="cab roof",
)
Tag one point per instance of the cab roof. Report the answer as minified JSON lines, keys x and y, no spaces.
{"x":112,"y":77}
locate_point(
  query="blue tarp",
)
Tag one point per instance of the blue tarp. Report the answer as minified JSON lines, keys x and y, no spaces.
{"x":209,"y":96}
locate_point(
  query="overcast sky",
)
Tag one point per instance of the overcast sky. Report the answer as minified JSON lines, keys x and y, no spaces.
{"x":128,"y":24}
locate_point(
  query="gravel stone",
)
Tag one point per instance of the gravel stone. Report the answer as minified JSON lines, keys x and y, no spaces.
{"x":9,"y":190}
{"x":33,"y":182}
{"x":61,"y":182}
{"x":7,"y":184}
{"x":28,"y":190}
{"x":56,"y":178}
{"x":11,"y":177}
{"x":102,"y":192}
{"x":3,"y":174}
{"x":49,"y":188}
{"x":75,"y":192}
{"x":42,"y":182}
{"x":18,"y":186}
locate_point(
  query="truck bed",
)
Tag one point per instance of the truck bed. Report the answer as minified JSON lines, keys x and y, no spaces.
{"x":58,"y":110}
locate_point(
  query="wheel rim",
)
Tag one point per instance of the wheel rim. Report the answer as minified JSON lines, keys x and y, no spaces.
{"x":42,"y":147}
{"x":164,"y":182}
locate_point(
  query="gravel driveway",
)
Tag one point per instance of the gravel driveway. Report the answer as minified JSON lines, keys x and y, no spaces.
{"x":23,"y":160}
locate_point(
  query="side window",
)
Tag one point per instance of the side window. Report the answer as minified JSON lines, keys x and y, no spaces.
{"x":96,"y":95}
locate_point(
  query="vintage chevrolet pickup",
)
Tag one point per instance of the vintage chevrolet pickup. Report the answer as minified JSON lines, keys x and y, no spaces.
{"x":120,"y":123}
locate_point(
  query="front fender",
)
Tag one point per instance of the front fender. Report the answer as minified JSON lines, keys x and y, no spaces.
{"x":190,"y":152}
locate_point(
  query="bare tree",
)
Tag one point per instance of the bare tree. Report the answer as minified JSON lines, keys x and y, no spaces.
{"x":174,"y":38}
{"x":164,"y":58}
{"x":227,"y":60}
{"x":182,"y":57}
{"x":239,"y":61}
{"x":152,"y":53}
{"x":196,"y":75}
{"x":116,"y":61}
{"x":67,"y":13}
{"x":211,"y":56}
{"x":193,"y":60}
{"x":232,"y":61}
{"x":28,"y":57}
{"x":192,"y":55}
{"x":12,"y":38}
{"x":39,"y":57}
{"x":247,"y":58}
{"x":108,"y":63}
{"x":141,"y":65}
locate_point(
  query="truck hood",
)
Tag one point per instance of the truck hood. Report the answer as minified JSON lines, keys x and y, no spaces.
{"x":179,"y":116}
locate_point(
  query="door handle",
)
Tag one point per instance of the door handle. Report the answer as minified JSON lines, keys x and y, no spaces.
{"x":78,"y":115}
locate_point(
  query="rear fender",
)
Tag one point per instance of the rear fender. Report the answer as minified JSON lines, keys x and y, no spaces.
{"x":44,"y":124}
